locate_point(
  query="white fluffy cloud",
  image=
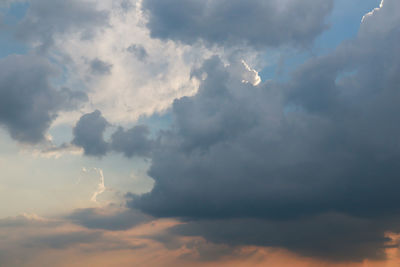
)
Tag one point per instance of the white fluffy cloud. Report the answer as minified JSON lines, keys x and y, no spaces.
{"x":144,"y":75}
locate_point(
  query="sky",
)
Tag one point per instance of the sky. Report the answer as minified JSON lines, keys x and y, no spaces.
{"x":199,"y":133}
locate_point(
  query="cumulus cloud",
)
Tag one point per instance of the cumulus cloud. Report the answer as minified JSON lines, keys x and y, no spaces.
{"x":256,"y":23}
{"x":140,"y":75}
{"x":270,"y":163}
{"x":29,"y":103}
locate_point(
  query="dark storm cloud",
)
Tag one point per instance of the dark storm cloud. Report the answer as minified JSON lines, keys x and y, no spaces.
{"x":257,"y":23}
{"x":47,"y":18}
{"x":230,"y":149}
{"x":103,"y":219}
{"x":99,"y":67}
{"x":273,"y":160}
{"x":89,"y":134}
{"x":28,"y":101}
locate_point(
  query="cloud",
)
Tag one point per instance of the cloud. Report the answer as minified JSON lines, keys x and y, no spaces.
{"x":89,"y":131}
{"x":29,"y":103}
{"x":309,"y":165}
{"x":25,"y":220}
{"x":132,"y":142}
{"x":333,"y":237}
{"x":255,"y":23}
{"x":108,"y":219}
{"x":7,"y":3}
{"x":99,"y":67}
{"x":89,"y":134}
{"x":100,"y":187}
{"x":371,"y":13}
{"x":146,"y":74}
{"x":65,"y":240}
{"x":51,"y":150}
{"x":46,"y":19}
{"x":39,"y":241}
{"x":30,"y":240}
{"x":268,"y":164}
{"x":138,"y":50}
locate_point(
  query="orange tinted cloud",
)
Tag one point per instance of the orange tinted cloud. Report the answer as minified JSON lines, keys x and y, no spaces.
{"x":32,"y":241}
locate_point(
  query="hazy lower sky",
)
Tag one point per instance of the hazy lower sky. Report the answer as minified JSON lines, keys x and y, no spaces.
{"x":199,"y":133}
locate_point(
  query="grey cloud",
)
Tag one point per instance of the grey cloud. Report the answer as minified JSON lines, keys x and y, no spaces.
{"x":7,"y":3}
{"x":89,"y":134}
{"x":26,"y":221}
{"x":47,"y":18}
{"x":210,"y":252}
{"x":126,"y":4}
{"x":103,"y":219}
{"x":257,"y":23}
{"x":75,"y":98}
{"x":26,"y":238}
{"x":329,"y":236}
{"x":28,"y":101}
{"x":287,"y":154}
{"x":64,"y":240}
{"x":138,"y":50}
{"x":90,"y":241}
{"x":52,"y":150}
{"x":225,"y":145}
{"x":132,"y":142}
{"x":99,"y":67}
{"x":200,"y":250}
